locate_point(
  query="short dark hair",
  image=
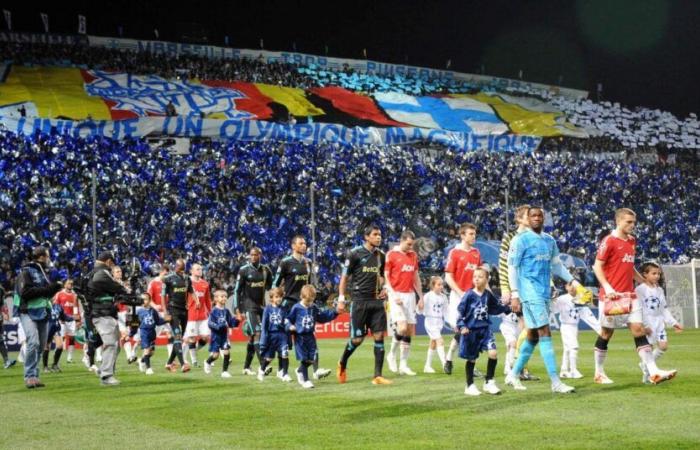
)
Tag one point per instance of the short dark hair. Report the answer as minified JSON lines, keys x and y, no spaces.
{"x":370,"y":228}
{"x":648,"y":265}
{"x":254,"y":248}
{"x":295,"y":237}
{"x":534,"y":207}
{"x":106,"y":256}
{"x":39,"y":251}
{"x":407,"y":234}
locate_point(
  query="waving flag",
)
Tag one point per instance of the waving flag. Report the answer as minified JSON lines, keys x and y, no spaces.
{"x":454,"y":114}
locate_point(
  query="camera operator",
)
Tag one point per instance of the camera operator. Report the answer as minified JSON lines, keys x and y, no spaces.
{"x":35,"y":293}
{"x":102,"y":292}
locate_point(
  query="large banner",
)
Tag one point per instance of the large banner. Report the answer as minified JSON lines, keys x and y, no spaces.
{"x":363,"y":66}
{"x":43,"y":38}
{"x":259,"y":130}
{"x":75,"y":94}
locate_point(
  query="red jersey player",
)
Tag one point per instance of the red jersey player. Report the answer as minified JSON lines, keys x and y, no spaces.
{"x":69,"y":303}
{"x":462,"y":261}
{"x":402,"y":283}
{"x":614,"y":268}
{"x":198,"y":309}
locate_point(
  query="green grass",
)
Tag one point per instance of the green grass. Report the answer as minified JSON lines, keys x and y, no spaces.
{"x":427,"y":411}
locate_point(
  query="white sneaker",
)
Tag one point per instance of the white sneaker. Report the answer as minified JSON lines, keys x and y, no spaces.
{"x":300,"y":377}
{"x":601,"y":378}
{"x":225,"y":375}
{"x":472,"y":390}
{"x":515,"y":382}
{"x":280,"y":374}
{"x":562,"y":388}
{"x":662,"y":375}
{"x":207,"y":367}
{"x":321,"y":373}
{"x":261,"y":374}
{"x":428,"y":369}
{"x":247,"y":371}
{"x":149,"y":371}
{"x":93,"y":368}
{"x":110,"y":381}
{"x":286,"y":378}
{"x":392,"y":364}
{"x":307,"y":384}
{"x":405,"y":370}
{"x":575,"y":374}
{"x":142,"y":367}
{"x":565,"y":374}
{"x":491,"y":388}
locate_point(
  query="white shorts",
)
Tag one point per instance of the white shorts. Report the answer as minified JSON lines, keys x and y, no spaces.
{"x":433,"y":326}
{"x":197,"y":328}
{"x":452,"y":312}
{"x":658,"y":331}
{"x":510,"y":332}
{"x":68,"y":328}
{"x":622,"y":320}
{"x":406,"y":311}
{"x":121,"y":320}
{"x":569,"y":336}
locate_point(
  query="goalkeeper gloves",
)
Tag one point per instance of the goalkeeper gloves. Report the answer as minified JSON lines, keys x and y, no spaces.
{"x":583,"y":296}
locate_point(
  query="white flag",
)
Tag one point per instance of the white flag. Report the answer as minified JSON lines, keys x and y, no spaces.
{"x":82,"y":25}
{"x":45,"y":20}
{"x":8,"y":18}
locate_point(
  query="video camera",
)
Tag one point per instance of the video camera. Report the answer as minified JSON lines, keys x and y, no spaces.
{"x":135,"y":283}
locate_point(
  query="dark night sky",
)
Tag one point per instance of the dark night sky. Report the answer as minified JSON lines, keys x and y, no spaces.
{"x":645,"y":52}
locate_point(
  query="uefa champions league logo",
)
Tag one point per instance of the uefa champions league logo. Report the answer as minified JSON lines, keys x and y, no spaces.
{"x":307,"y":322}
{"x":150,"y":94}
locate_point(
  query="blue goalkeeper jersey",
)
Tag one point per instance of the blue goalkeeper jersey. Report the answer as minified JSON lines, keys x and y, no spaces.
{"x":304,"y":319}
{"x":535,"y":257}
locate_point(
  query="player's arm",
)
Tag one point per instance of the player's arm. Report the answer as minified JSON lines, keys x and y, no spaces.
{"x":279,"y":275}
{"x":268,"y":278}
{"x":463,"y":308}
{"x":503,"y":267}
{"x":212,"y":322}
{"x":291,"y":319}
{"x":237,"y":291}
{"x":600,"y":275}
{"x":418,"y":287}
{"x":324,"y":315}
{"x":387,"y":285}
{"x":231,"y":321}
{"x":589,"y":318}
{"x":495,"y":307}
{"x":348,"y":266}
{"x":263,"y":327}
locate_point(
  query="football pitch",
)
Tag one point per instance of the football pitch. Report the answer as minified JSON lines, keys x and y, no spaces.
{"x":196,"y":410}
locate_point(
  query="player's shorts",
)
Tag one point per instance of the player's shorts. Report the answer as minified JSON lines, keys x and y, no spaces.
{"x":510,"y":331}
{"x":306,"y":348}
{"x":452,"y":312}
{"x":276,"y":343}
{"x":148,"y":338}
{"x":478,"y":340}
{"x":367,"y":315}
{"x":433,"y":326}
{"x":68,"y":328}
{"x":178,"y":322}
{"x":54,"y":330}
{"x":121,"y":320}
{"x":253,"y":322}
{"x":569,"y":336}
{"x":197,"y":328}
{"x":658,"y":331}
{"x":406,"y":311}
{"x":535,"y":313}
{"x":219,"y":342}
{"x":621,"y":321}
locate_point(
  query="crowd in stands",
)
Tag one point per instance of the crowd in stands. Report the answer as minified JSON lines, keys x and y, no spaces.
{"x":222,"y":197}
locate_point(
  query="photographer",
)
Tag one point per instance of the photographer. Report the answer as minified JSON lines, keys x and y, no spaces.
{"x":102,"y":290}
{"x":35,"y":293}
